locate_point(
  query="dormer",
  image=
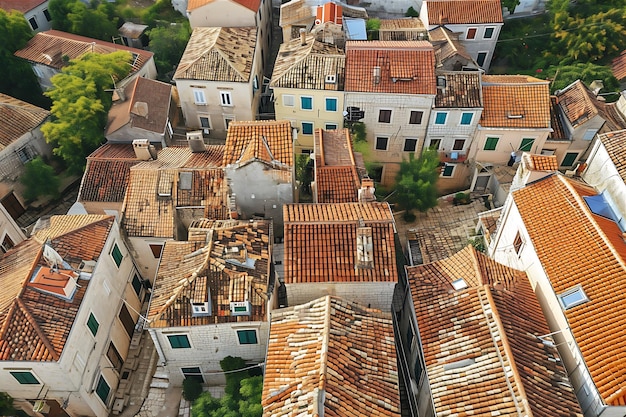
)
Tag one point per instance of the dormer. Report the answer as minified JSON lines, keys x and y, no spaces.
{"x":330,"y":79}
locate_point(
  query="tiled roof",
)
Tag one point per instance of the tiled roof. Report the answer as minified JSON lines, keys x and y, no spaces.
{"x":615,"y":145}
{"x":442,"y":12}
{"x":538,"y":162}
{"x":107,"y":173}
{"x":306,"y":66}
{"x":155,"y":189}
{"x":406,"y":29}
{"x":55,"y":226}
{"x":447,"y":45}
{"x":410,"y":63}
{"x":333,"y":354}
{"x":480,"y":343}
{"x":321,"y":242}
{"x":556,"y":122}
{"x":21,"y":6}
{"x":52,"y":46}
{"x":336,"y":177}
{"x":18,"y":118}
{"x":489,"y":222}
{"x":243,"y":144}
{"x":295,"y":11}
{"x":515,"y":101}
{"x":146,"y":107}
{"x":618,"y":66}
{"x":577,"y":247}
{"x":209,"y":274}
{"x":403,"y":24}
{"x":248,"y":4}
{"x":35,"y":325}
{"x":462,"y":90}
{"x":218,"y":54}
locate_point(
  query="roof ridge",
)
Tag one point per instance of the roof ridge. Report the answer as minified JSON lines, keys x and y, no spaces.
{"x":324,"y":351}
{"x":225,"y":57}
{"x":40,"y":333}
{"x":106,"y":218}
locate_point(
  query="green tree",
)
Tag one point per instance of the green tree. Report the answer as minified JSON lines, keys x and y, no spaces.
{"x":168,"y":44}
{"x":416,"y":187}
{"x":39,"y":180}
{"x":564,"y":75}
{"x":98,"y":20}
{"x":510,"y":5}
{"x":372,"y":26}
{"x":162,"y":11}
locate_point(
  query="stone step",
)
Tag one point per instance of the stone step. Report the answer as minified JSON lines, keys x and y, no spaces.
{"x":159,"y":383}
{"x":161,"y":374}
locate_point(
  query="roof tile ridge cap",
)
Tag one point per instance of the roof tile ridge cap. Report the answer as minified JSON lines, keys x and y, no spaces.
{"x":504,"y":340}
{"x":477,"y":269}
{"x":40,"y":333}
{"x":264,"y":143}
{"x":595,"y":224}
{"x":350,"y":147}
{"x":325,"y":343}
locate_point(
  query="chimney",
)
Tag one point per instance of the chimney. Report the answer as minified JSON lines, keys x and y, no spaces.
{"x":364,"y":248}
{"x":196,"y":141}
{"x":366,"y":192}
{"x":143,"y":150}
{"x":376,"y":74}
{"x":302,"y":36}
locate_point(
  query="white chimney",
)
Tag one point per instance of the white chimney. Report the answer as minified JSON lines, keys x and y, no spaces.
{"x":195,"y":141}
{"x":376,"y":74}
{"x":143,"y":150}
{"x":366,"y":192}
{"x":303,"y":37}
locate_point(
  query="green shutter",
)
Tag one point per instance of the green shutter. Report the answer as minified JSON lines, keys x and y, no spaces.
{"x":179,"y":341}
{"x":137,"y":285}
{"x":569,"y":159}
{"x":491,"y":144}
{"x":117,"y":255}
{"x":24,"y":377}
{"x":103,"y":389}
{"x":526,"y":145}
{"x":93,"y":324}
{"x":247,"y":337}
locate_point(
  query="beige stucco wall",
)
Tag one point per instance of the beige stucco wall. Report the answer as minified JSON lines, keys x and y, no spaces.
{"x":374,"y":294}
{"x":509,"y":141}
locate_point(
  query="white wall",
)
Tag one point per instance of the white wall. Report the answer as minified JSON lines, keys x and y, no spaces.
{"x":38,"y":14}
{"x":141,"y":252}
{"x":374,"y":294}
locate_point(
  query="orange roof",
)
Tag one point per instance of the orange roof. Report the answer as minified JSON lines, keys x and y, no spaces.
{"x":321,"y":242}
{"x":480,"y":343}
{"x":333,"y":354}
{"x":615,"y":145}
{"x":401,"y":67}
{"x":242,"y":142}
{"x":336,"y":177}
{"x":18,"y":118}
{"x":248,"y":4}
{"x":21,"y":6}
{"x":541,"y":162}
{"x":107,"y":173}
{"x":515,"y":101}
{"x":329,"y":12}
{"x":442,"y":12}
{"x":577,"y":247}
{"x":618,"y":66}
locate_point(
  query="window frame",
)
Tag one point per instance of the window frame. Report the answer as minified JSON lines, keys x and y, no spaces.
{"x":331,"y":126}
{"x":113,"y":355}
{"x":381,"y":116}
{"x":188,"y":373}
{"x":6,"y":243}
{"x":115,"y":248}
{"x":487,"y":142}
{"x":208,"y":119}
{"x":437,"y":122}
{"x":303,"y":123}
{"x":525,"y":144}
{"x":386,"y":139}
{"x":576,"y":154}
{"x":437,"y":141}
{"x":578,"y":289}
{"x":285,"y":101}
{"x":102,"y":380}
{"x":25,"y":376}
{"x":463,"y":115}
{"x":47,"y":15}
{"x":406,"y":140}
{"x":227,"y":121}
{"x":247,"y":340}
{"x":137,"y":283}
{"x":485,"y":54}
{"x":518,"y":243}
{"x":419,"y":116}
{"x":455,"y":144}
{"x":199,"y":98}
{"x":328,"y":100}
{"x":91,"y":319}
{"x":452,"y":168}
{"x":489,"y":28}
{"x":473,"y":30}
{"x":33,"y":23}
{"x":302,"y":102}
{"x":179,"y":337}
{"x":226,"y":99}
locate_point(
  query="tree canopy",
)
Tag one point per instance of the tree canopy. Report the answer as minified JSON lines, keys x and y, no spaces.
{"x":39,"y":179}
{"x":416,"y":187}
{"x":168,"y":44}
{"x":98,"y":20}
{"x":562,"y":76}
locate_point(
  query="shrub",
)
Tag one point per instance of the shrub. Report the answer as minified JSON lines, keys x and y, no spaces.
{"x":412,"y":12}
{"x":408,"y":217}
{"x":191,"y":389}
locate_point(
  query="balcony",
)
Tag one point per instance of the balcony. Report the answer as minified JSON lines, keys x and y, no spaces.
{"x":452,"y":156}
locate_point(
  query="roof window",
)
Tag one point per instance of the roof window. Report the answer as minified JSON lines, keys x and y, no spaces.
{"x":573,"y":297}
{"x":459,"y":284}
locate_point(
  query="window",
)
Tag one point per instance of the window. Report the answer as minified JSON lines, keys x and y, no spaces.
{"x":6,"y":244}
{"x":194,"y":373}
{"x":255,"y":83}
{"x":589,"y":134}
{"x":307,"y":128}
{"x":491,"y":144}
{"x":227,"y":121}
{"x":114,"y":357}
{"x":226,"y":98}
{"x":376,"y":173}
{"x":117,"y":255}
{"x":384,"y":116}
{"x":24,"y":377}
{"x":26,"y":154}
{"x":156,"y":250}
{"x":199,"y":98}
{"x":247,"y":337}
{"x":447,"y":170}
{"x":47,"y":14}
{"x":306,"y":103}
{"x":127,"y":320}
{"x":458,"y":145}
{"x":331,"y":104}
{"x":573,"y":297}
{"x":527,"y":144}
{"x":381,"y":143}
{"x":489,"y":33}
{"x":481,"y":58}
{"x":440,"y":118}
{"x":288,"y":100}
{"x":471,"y":33}
{"x":518,"y":243}
{"x":417,"y":369}
{"x":442,"y":82}
{"x":410,"y":145}
{"x":569,"y":159}
{"x":434,"y":144}
{"x":93,"y":324}
{"x":137,"y":285}
{"x":416,"y":117}
{"x":330,"y":126}
{"x":179,"y":341}
{"x":33,"y":23}
{"x":205,"y":122}
{"x":466,"y":119}
{"x":103,"y":389}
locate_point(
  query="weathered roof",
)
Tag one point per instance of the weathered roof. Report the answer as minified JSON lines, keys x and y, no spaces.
{"x":413,"y":23}
{"x":146,"y":107}
{"x":442,"y":12}
{"x":334,"y":354}
{"x":34,"y":324}
{"x":52,"y":47}
{"x":21,"y":6}
{"x":132,"y":30}
{"x":155,"y":189}
{"x":18,"y":118}
{"x":248,"y":4}
{"x":462,"y":90}
{"x":515,"y":101}
{"x":615,"y":145}
{"x":218,"y":54}
{"x":263,"y":140}
{"x":486,"y":336}
{"x":321,"y":242}
{"x":295,"y":11}
{"x":537,"y":162}
{"x":307,"y":66}
{"x":197,"y":271}
{"x":579,"y":248}
{"x":336,"y":177}
{"x":107,"y":173}
{"x":618,"y":66}
{"x":556,"y":122}
{"x":410,"y":63}
{"x":579,"y":105}
{"x":447,"y":45}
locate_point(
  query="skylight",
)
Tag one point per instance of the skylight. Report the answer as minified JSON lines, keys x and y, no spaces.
{"x":459,"y":284}
{"x":573,"y":297}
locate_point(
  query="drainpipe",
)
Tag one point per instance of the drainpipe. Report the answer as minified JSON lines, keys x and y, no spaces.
{"x":157,"y":346}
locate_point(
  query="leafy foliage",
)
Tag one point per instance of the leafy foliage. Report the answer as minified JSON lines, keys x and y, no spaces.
{"x":372,"y":26}
{"x":168,"y":44}
{"x":411,"y":12}
{"x":98,"y":21}
{"x":6,"y":404}
{"x":416,"y":187}
{"x":162,"y":10}
{"x":192,"y":389}
{"x":39,"y":180}
{"x":510,"y":5}
{"x":304,"y":171}
{"x":562,"y":76}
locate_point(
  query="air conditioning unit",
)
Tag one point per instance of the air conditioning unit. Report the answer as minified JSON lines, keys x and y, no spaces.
{"x":41,"y":406}
{"x":240,"y":308}
{"x":454,"y":156}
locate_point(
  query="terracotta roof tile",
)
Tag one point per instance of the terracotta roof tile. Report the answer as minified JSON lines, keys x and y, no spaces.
{"x":320,"y":354}
{"x":248,"y":4}
{"x":218,"y":54}
{"x":52,"y":46}
{"x":618,"y":66}
{"x":212,"y":275}
{"x":541,"y":162}
{"x":516,"y":101}
{"x":447,"y":45}
{"x":107,"y":173}
{"x":321,"y":242}
{"x":480,"y":343}
{"x":615,"y":145}
{"x":441,"y":12}
{"x":18,"y":118}
{"x":462,"y":90}
{"x":336,"y":177}
{"x":577,"y":247}
{"x":410,"y":63}
{"x":579,"y":105}
{"x":21,"y":6}
{"x":556,"y":122}
{"x":243,"y":142}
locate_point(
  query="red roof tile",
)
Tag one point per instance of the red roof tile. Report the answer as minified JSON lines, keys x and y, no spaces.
{"x":21,"y":6}
{"x":336,"y":177}
{"x":615,"y":144}
{"x":243,"y":142}
{"x":107,"y":173}
{"x":441,"y":12}
{"x":18,"y":118}
{"x":618,"y":66}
